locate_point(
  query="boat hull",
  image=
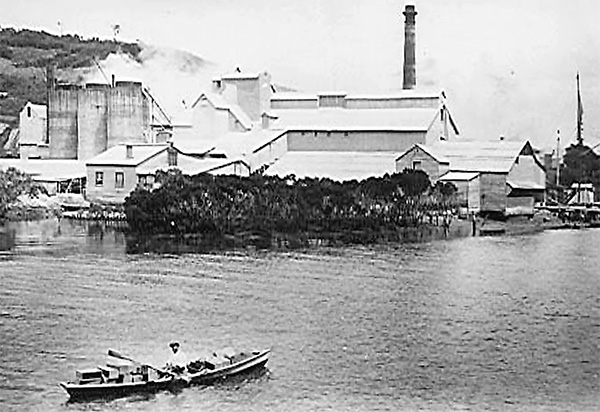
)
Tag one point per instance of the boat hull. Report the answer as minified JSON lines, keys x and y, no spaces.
{"x":89,"y":391}
{"x":115,"y":390}
{"x":258,"y":360}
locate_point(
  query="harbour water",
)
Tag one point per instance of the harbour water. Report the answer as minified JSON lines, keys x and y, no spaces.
{"x":481,"y":323}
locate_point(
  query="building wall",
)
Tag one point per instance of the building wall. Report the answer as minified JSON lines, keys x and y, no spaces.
{"x":527,"y":170}
{"x":62,"y":122}
{"x":128,"y":114}
{"x":108,"y":191}
{"x":252,"y":94}
{"x":92,"y":117}
{"x":354,"y":141}
{"x":393,"y":103}
{"x":268,"y":154}
{"x":474,"y":195}
{"x":208,"y":122}
{"x":32,"y":127}
{"x":523,"y":205}
{"x":493,"y":192}
{"x":425,"y":162}
{"x":295,"y":104}
{"x":440,"y":128}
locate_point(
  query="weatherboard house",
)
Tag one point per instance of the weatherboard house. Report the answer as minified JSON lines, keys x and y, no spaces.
{"x":496,"y":177}
{"x":33,"y":139}
{"x":115,"y":173}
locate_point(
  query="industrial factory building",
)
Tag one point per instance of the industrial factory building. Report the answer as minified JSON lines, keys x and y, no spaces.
{"x":81,"y":122}
{"x":244,"y":125}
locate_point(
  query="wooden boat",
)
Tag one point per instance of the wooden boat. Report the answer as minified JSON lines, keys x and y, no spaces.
{"x":117,"y":380}
{"x":123,"y":379}
{"x":225,"y":364}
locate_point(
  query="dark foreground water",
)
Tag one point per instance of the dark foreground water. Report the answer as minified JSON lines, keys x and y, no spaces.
{"x":501,"y":324}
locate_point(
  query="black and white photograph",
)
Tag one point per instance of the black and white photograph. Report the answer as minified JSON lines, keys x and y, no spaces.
{"x":285,"y":205}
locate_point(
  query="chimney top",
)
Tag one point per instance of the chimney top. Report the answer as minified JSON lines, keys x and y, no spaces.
{"x":409,"y":68}
{"x":410,"y":13}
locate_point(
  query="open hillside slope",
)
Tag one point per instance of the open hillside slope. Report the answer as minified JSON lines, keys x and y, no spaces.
{"x":174,"y":77}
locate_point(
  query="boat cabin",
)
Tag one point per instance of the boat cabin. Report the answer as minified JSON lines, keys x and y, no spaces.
{"x":85,"y":376}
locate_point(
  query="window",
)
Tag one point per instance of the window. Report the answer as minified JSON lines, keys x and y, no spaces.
{"x":172,"y":157}
{"x":28,"y":111}
{"x":416,"y":165}
{"x":99,"y":178}
{"x":119,"y":180}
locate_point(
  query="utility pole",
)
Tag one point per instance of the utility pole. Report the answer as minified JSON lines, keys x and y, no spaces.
{"x":558,"y":158}
{"x":579,"y":115}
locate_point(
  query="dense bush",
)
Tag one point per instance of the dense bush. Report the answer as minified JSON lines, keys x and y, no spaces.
{"x":14,"y":183}
{"x":217,"y":205}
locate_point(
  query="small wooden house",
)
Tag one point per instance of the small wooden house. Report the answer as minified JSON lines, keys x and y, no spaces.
{"x":494,"y":177}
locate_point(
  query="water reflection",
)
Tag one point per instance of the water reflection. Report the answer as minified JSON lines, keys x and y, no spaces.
{"x":7,"y":238}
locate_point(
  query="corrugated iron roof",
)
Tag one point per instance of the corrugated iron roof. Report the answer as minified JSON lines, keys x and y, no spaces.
{"x":458,"y":176}
{"x":338,"y":166}
{"x":47,"y":170}
{"x":526,"y":185}
{"x":117,"y":155}
{"x":191,"y":165}
{"x":479,"y":156}
{"x":340,"y":119}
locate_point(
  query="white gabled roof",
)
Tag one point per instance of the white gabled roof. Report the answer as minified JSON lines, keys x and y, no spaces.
{"x":526,"y":185}
{"x":338,"y":166}
{"x":117,"y":155}
{"x":219,"y":102}
{"x":340,"y":119}
{"x":438,"y":157}
{"x":47,"y":170}
{"x":480,"y":156}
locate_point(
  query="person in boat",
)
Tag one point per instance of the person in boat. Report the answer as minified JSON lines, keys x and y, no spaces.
{"x":177,"y":362}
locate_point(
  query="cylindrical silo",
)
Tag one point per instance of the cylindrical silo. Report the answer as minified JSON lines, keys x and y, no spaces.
{"x":92,"y":119}
{"x":62,"y":121}
{"x":128,"y":114}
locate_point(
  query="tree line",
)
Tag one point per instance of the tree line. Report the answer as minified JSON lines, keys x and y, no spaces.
{"x":220,"y":205}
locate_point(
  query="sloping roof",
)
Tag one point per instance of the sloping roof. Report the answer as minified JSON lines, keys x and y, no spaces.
{"x":340,"y":119}
{"x":458,"y":176}
{"x":404,"y":94}
{"x":334,"y":165}
{"x":219,"y":102}
{"x":438,"y":157}
{"x":237,"y":144}
{"x":480,"y":156}
{"x":47,"y":170}
{"x":117,"y":155}
{"x":191,"y":166}
{"x":230,"y":145}
{"x":526,"y":185}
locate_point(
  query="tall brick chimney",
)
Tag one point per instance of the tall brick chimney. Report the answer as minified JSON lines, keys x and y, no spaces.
{"x":410,"y":68}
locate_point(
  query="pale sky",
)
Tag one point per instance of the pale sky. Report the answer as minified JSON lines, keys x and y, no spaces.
{"x":508,"y":67}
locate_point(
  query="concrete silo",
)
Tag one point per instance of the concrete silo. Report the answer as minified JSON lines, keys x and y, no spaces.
{"x":62,"y":121}
{"x":92,"y":113}
{"x":128,"y":114}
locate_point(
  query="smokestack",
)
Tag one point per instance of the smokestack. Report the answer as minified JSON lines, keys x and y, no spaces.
{"x":410,"y":68}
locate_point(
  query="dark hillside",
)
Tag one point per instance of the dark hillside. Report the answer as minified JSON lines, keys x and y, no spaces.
{"x":25,"y":55}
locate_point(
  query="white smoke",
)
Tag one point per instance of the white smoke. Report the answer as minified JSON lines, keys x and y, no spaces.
{"x":175,"y":78}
